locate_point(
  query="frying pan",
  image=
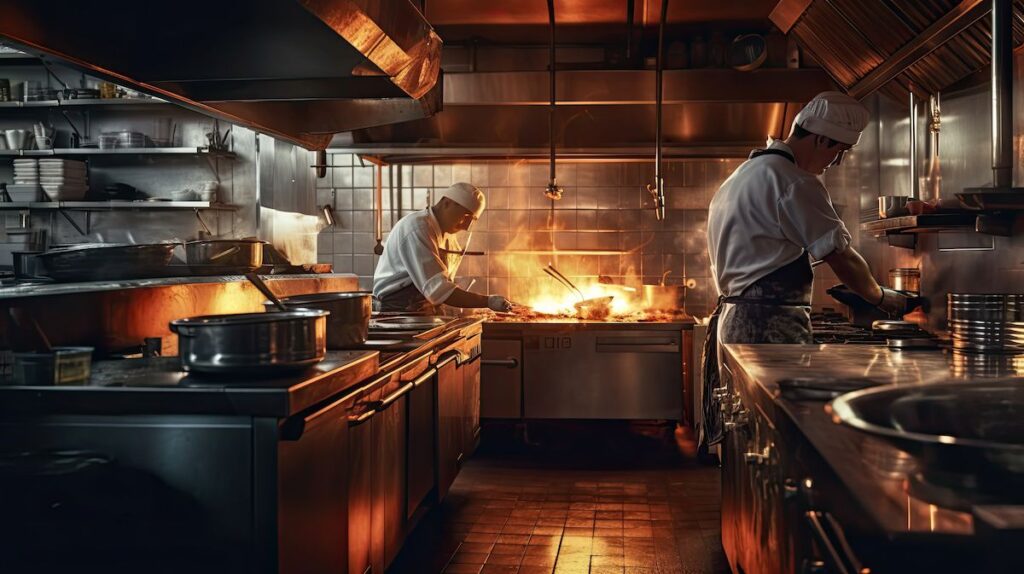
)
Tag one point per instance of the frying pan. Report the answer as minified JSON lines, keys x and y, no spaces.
{"x":594,"y":308}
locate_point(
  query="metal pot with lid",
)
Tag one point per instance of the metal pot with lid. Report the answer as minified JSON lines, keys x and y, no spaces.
{"x":255,"y":344}
{"x":349,"y":320}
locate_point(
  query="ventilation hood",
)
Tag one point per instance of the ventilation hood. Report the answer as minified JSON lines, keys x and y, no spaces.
{"x":599,"y":113}
{"x":894,"y":47}
{"x":300,"y":70}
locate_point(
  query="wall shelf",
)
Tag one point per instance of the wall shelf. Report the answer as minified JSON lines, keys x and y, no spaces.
{"x":903,"y":231}
{"x":85,"y":102}
{"x":181,"y":151}
{"x":114,"y":206}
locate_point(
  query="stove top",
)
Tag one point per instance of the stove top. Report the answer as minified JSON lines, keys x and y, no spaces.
{"x":830,"y":327}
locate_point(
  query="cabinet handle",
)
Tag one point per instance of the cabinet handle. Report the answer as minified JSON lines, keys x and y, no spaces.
{"x":356,"y":421}
{"x":402,"y":391}
{"x":448,"y":357}
{"x":426,"y":376}
{"x":508,"y":363}
{"x":837,"y":550}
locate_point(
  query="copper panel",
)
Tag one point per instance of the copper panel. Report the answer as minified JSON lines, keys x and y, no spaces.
{"x":114,"y":321}
{"x":443,"y":13}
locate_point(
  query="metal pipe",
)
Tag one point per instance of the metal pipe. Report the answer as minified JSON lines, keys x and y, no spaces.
{"x":552,"y":191}
{"x":658,"y":191}
{"x":630,"y":8}
{"x":914,"y":187}
{"x":1002,"y":93}
{"x":378,"y":209}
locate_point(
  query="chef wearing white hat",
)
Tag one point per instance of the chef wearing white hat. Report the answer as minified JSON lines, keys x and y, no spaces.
{"x":766,"y":223}
{"x":416,"y":272}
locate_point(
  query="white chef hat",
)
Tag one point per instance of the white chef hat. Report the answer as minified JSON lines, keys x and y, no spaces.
{"x":467,"y":195}
{"x":834,"y":115}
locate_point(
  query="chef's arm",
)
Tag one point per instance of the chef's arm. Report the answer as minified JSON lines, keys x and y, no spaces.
{"x":466,"y":299}
{"x":852,"y":270}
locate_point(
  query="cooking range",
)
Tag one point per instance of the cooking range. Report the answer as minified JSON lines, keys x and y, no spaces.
{"x":627,"y":367}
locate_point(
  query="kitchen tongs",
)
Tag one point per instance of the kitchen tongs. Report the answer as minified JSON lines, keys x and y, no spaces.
{"x":557,"y":276}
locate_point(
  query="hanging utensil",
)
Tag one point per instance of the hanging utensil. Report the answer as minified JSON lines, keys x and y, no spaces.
{"x":552,"y":191}
{"x":259,"y":284}
{"x":657,"y":190}
{"x":557,"y":275}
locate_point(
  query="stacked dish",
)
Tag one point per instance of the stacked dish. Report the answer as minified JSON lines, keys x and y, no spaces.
{"x":63,"y":179}
{"x":986,"y":323}
{"x":26,"y":180}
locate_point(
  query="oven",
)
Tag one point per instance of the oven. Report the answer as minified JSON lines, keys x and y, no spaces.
{"x":584,"y":370}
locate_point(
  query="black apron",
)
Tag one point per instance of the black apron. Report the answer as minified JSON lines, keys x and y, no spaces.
{"x":408,"y":299}
{"x":775,"y":309}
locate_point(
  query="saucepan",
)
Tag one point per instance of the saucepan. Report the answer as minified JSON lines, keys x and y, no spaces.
{"x":254,"y":344}
{"x":245,"y":255}
{"x":892,"y":206}
{"x":349,"y":320}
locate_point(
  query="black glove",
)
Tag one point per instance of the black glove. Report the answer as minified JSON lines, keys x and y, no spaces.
{"x":847,"y":297}
{"x":899,"y":303}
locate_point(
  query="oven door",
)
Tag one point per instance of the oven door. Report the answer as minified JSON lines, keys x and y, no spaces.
{"x":603,"y":374}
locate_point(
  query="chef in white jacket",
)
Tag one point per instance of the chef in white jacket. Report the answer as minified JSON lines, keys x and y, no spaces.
{"x":768,"y":221}
{"x":416,"y":272}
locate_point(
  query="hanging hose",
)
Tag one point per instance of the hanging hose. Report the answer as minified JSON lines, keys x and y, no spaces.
{"x":657,"y":190}
{"x":552,"y":191}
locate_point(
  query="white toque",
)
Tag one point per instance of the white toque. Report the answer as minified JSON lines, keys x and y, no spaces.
{"x":467,"y":195}
{"x":834,"y":115}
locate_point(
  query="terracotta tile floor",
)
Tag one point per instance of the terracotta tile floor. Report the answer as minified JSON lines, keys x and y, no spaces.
{"x":566,"y":510}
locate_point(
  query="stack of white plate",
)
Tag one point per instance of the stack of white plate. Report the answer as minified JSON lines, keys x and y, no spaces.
{"x":63,"y":179}
{"x":26,"y":180}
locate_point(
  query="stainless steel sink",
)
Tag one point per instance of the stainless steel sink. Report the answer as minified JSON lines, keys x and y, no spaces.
{"x":953,"y":429}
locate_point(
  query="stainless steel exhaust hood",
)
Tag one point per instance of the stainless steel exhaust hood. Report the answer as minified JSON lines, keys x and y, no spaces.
{"x":600,"y":113}
{"x":895,"y":47}
{"x":300,"y":70}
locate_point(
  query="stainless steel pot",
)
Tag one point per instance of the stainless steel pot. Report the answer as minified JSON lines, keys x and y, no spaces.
{"x":234,"y":253}
{"x":255,"y":344}
{"x":349,"y":321}
{"x":892,"y":206}
{"x":25,"y":264}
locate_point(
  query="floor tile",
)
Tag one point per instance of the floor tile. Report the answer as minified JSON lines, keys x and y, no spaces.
{"x":547,"y":511}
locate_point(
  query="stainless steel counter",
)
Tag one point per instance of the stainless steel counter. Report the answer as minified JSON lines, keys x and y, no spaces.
{"x":159,"y":386}
{"x":787,"y":448}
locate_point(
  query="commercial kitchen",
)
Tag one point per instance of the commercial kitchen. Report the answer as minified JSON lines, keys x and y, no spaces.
{"x":562,"y":286}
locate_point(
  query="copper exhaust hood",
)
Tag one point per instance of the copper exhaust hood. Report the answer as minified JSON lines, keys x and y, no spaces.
{"x":298,"y":70}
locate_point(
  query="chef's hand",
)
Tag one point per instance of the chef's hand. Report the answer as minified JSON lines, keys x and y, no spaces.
{"x":898,"y":303}
{"x":499,"y":304}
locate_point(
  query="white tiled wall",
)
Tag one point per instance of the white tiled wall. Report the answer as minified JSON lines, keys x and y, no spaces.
{"x":605,"y":208}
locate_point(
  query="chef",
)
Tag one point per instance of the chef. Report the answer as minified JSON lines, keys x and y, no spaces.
{"x":769,"y":220}
{"x":416,"y":272}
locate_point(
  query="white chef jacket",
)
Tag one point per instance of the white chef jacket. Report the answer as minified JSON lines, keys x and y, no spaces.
{"x":412,"y":256}
{"x":764,"y":216}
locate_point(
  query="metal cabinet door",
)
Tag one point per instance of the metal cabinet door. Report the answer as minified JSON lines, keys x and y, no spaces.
{"x":361,"y":488}
{"x":501,"y":379}
{"x":449,"y":421}
{"x":391,"y":450}
{"x":471,"y":401}
{"x":421,"y":472}
{"x":312,"y":528}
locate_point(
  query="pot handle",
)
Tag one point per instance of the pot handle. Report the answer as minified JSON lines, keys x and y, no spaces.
{"x":225,"y":253}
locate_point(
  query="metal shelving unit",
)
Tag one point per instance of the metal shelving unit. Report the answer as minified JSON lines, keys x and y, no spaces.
{"x":114,"y":205}
{"x":198,"y":151}
{"x":86,"y":102}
